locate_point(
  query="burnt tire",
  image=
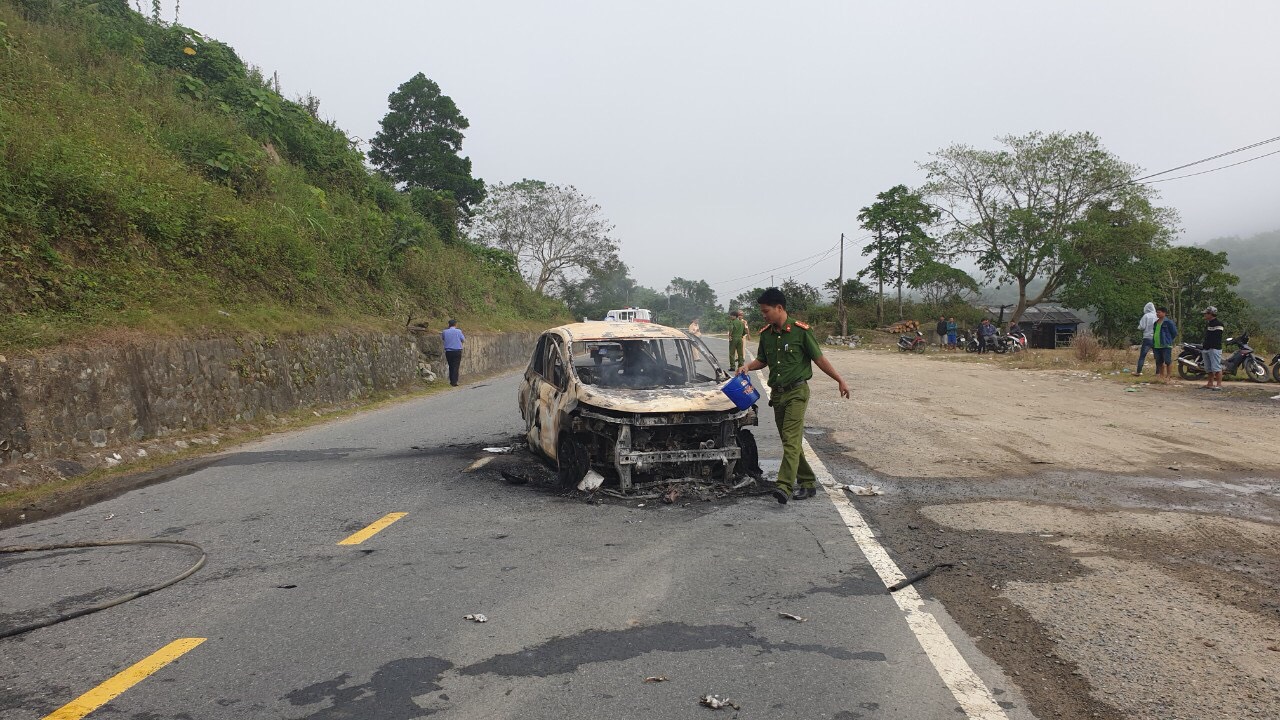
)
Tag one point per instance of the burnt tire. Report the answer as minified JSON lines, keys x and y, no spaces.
{"x":750,"y":460}
{"x":572,"y":461}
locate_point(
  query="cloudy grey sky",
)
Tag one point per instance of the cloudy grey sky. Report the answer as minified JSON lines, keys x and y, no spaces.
{"x":721,"y":137}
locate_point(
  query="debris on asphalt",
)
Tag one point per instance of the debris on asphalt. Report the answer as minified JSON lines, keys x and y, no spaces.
{"x":715,"y":702}
{"x":919,"y":576}
{"x":476,"y":617}
{"x":500,"y":450}
{"x":865,"y":490}
{"x":513,"y":478}
{"x":591,"y":481}
{"x":109,"y":516}
{"x":789,"y":616}
{"x":671,"y":495}
{"x":656,"y":679}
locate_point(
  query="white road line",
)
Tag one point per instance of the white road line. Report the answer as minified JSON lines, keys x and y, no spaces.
{"x":477,"y":464}
{"x":965,"y":685}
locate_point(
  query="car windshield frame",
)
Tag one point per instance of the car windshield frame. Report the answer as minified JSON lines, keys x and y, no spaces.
{"x":646,"y":363}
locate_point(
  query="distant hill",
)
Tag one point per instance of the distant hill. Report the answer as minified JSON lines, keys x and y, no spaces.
{"x":1257,"y":261}
{"x":151,"y":179}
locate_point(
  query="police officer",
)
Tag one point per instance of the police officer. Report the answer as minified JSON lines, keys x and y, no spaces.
{"x":789,"y":349}
{"x":737,"y":339}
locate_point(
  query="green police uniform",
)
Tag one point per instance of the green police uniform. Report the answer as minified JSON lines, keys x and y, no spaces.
{"x":790,"y":353}
{"x":737,"y":349}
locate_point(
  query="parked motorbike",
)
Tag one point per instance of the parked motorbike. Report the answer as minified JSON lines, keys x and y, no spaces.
{"x":1191,"y":361}
{"x":907,"y":343}
{"x":1013,"y":342}
{"x":968,"y":341}
{"x":1275,"y":368}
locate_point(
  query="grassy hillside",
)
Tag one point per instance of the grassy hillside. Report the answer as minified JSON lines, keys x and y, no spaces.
{"x":150,"y":179}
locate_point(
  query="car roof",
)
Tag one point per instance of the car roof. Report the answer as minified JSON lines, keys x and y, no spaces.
{"x":600,"y":330}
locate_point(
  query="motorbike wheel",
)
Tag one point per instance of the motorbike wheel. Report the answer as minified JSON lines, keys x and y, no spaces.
{"x":1186,"y":372}
{"x":1275,"y":372}
{"x":920,"y":347}
{"x":1001,"y":348}
{"x":972,"y":347}
{"x":1256,"y":371}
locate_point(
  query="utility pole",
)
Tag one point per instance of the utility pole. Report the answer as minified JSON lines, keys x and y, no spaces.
{"x":844,"y":315}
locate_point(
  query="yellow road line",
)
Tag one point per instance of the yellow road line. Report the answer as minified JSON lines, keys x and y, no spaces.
{"x":375,"y":528}
{"x":124,"y":680}
{"x":478,"y":464}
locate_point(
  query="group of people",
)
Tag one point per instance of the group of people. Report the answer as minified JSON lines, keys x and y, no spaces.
{"x":1159,"y":333}
{"x":947,"y":331}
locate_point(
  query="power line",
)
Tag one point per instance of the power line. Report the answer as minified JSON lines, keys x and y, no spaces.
{"x":1210,"y":170}
{"x":1260,"y":143}
{"x":775,"y":268}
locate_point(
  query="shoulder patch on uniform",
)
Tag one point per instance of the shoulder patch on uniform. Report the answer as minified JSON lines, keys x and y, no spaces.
{"x":801,"y":325}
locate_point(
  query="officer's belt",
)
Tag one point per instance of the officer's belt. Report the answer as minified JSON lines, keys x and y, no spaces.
{"x":791,"y":386}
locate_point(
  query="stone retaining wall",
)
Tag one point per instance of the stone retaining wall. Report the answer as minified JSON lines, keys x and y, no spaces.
{"x":64,"y":403}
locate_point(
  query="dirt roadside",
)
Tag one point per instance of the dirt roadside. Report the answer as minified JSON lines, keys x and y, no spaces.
{"x":1117,"y":550}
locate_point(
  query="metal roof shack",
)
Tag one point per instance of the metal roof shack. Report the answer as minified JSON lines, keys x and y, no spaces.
{"x":1046,"y":326}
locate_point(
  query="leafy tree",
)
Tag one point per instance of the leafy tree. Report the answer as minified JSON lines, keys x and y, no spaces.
{"x":420,"y":142}
{"x":855,"y":292}
{"x":801,"y":297}
{"x":897,"y":218}
{"x":557,"y":233}
{"x":746,"y":302}
{"x":1193,"y":278}
{"x":1019,"y":210}
{"x":940,"y":284}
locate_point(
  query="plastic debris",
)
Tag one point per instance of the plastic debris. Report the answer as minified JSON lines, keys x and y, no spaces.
{"x":865,"y":490}
{"x":1275,"y":397}
{"x":715,"y":702}
{"x":789,"y":616}
{"x":591,"y":481}
{"x":476,"y":617}
{"x":500,"y":450}
{"x":1131,"y":389}
{"x":513,"y":478}
{"x":656,"y":679}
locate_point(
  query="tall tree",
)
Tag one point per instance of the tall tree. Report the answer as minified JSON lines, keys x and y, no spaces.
{"x":420,"y":142}
{"x":557,"y":233}
{"x":1019,"y":210}
{"x":801,"y":297}
{"x":898,"y":219}
{"x":940,"y":284}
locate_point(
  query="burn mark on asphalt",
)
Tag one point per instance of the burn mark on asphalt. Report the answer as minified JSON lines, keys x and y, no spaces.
{"x":62,"y":605}
{"x":388,"y":695}
{"x":566,"y":654}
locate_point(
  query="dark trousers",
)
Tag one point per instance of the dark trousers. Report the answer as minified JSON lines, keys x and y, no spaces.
{"x":1147,"y":345}
{"x":985,"y":343}
{"x":454,"y":358}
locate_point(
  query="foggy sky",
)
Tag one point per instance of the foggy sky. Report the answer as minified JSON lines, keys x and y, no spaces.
{"x":723,"y":137}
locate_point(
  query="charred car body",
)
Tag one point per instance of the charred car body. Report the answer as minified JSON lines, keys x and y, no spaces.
{"x":648,"y":405}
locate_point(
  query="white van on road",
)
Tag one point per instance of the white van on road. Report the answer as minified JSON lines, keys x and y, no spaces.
{"x":629,"y":315}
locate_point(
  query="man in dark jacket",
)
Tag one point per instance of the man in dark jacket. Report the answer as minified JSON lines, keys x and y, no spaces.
{"x":1162,"y":338}
{"x":1211,"y":348}
{"x":941,"y":330}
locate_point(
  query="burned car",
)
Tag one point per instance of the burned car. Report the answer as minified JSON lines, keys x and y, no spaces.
{"x":650,"y":407}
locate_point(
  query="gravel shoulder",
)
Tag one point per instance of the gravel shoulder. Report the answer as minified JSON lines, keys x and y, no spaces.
{"x":1116,"y":550}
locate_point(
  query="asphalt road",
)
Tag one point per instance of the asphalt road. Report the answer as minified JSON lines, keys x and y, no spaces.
{"x":584,"y":601}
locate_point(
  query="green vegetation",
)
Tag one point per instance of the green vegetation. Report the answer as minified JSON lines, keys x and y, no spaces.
{"x":1256,"y":260}
{"x":151,"y":179}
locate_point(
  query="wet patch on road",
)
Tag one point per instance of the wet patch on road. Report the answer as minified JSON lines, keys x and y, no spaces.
{"x":566,"y":654}
{"x":287,"y":456}
{"x":388,"y":695}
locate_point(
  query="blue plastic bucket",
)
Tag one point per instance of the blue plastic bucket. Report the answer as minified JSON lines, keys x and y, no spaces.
{"x":740,"y":390}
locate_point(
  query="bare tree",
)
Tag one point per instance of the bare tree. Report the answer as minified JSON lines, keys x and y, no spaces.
{"x":555,"y":232}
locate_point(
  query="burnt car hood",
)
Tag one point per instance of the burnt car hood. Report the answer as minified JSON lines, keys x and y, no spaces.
{"x":698,"y":398}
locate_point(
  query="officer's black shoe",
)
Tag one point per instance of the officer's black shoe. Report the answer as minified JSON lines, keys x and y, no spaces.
{"x":804,"y":492}
{"x":780,"y":495}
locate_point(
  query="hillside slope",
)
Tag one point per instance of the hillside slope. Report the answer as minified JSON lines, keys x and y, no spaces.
{"x":1256,"y":260}
{"x":151,"y":179}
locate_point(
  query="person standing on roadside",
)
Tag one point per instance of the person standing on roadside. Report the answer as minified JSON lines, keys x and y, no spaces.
{"x":738,"y":334}
{"x":941,"y":330}
{"x":453,"y":340}
{"x":1211,"y":348}
{"x":789,"y":349}
{"x":952,"y":328}
{"x":1162,"y":336}
{"x":1148,"y":326}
